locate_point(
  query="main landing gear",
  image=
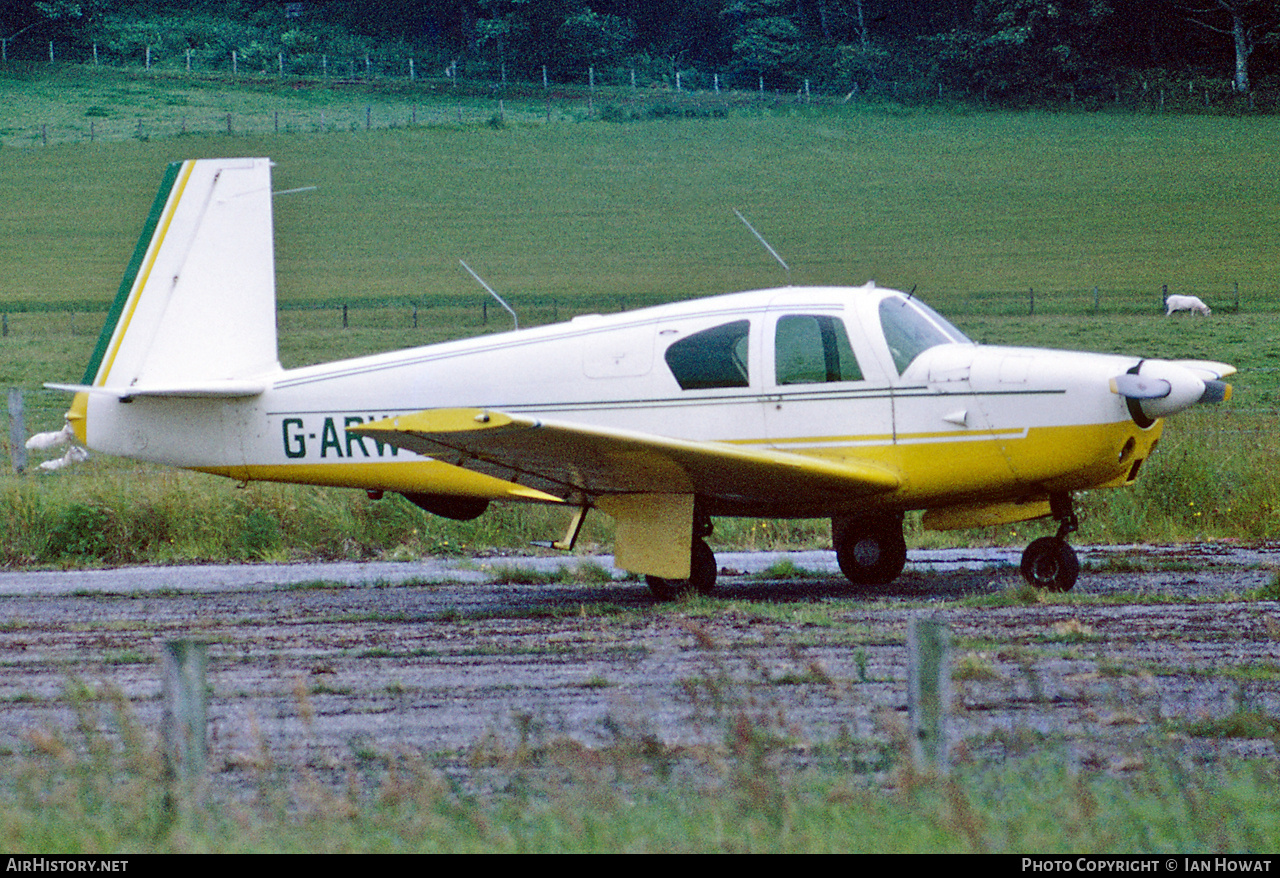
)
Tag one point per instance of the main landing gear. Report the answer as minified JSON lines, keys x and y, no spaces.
{"x":1050,"y":563}
{"x":870,"y":551}
{"x":702,"y":568}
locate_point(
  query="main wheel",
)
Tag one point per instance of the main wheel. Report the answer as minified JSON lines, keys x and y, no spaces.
{"x":1051,"y":564}
{"x":871,"y":552}
{"x":702,"y":576}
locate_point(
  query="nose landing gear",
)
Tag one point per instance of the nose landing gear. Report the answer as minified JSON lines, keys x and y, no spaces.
{"x":1049,"y":562}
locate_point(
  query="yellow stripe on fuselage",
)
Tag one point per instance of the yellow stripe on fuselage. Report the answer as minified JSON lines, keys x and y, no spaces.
{"x":413,"y":476}
{"x":157,"y":241}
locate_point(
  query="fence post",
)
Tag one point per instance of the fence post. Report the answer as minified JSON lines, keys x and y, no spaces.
{"x":184,"y":721}
{"x":929,"y":692}
{"x":1031,"y":298}
{"x":17,"y":426}
{"x":1096,"y":299}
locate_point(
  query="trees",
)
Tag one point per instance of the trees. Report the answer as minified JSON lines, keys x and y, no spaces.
{"x":1020,"y":47}
{"x":1247,"y":22}
{"x":1006,"y":50}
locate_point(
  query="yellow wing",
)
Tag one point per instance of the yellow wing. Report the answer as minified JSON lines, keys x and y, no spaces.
{"x":579,"y":462}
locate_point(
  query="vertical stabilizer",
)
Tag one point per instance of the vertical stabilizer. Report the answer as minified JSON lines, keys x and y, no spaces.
{"x":197,"y":303}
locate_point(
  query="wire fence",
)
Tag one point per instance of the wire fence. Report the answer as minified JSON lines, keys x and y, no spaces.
{"x":1148,"y":90}
{"x":475,"y":91}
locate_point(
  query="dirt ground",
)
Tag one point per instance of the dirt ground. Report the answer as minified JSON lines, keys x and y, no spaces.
{"x":317,"y":671}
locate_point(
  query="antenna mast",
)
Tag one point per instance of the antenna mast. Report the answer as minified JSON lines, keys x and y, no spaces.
{"x":501,"y":301}
{"x":760,"y":238}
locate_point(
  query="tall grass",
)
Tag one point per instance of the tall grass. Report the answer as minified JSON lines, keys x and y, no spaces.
{"x":129,"y":514}
{"x":101,"y":788}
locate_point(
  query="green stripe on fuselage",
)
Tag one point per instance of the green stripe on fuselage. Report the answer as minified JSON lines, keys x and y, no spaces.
{"x":131,"y":273}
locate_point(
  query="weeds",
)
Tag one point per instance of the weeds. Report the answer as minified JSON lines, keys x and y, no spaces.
{"x":752,"y":785}
{"x":1241,"y":723}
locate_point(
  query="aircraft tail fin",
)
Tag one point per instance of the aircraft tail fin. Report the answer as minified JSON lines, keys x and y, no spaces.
{"x":197,"y":303}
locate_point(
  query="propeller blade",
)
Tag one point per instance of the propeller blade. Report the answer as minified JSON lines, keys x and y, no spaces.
{"x":1138,"y":387}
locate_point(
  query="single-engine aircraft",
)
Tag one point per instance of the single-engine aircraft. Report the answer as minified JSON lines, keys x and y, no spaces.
{"x":856,"y":404}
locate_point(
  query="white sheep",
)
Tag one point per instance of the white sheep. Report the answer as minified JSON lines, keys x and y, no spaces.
{"x":1186,"y":303}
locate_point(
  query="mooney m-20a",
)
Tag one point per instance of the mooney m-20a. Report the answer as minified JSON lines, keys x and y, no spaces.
{"x":854,"y":404}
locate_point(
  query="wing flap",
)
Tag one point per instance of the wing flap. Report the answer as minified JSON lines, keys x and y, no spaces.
{"x":569,"y":459}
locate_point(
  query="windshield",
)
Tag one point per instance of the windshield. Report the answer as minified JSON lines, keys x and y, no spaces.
{"x":911,"y":327}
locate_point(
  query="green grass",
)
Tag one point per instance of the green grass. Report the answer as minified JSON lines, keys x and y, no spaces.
{"x":91,"y":792}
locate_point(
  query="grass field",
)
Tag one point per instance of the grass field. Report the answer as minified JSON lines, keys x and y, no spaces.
{"x":1094,"y":212}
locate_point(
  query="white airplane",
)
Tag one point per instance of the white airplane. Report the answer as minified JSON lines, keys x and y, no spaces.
{"x":856,"y":404}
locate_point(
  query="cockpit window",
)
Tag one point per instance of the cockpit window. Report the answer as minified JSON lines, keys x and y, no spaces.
{"x":715,"y":357}
{"x":813,"y":349}
{"x":911,"y":327}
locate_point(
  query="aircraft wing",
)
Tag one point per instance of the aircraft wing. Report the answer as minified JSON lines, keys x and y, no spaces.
{"x":574,"y":461}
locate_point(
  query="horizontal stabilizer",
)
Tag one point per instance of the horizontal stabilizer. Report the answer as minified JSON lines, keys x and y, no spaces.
{"x":203,"y":390}
{"x":568,"y":459}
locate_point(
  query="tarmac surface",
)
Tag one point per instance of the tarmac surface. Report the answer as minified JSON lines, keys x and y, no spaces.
{"x":316,"y":668}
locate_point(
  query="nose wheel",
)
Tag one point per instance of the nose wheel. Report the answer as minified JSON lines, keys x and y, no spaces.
{"x":1049,"y":562}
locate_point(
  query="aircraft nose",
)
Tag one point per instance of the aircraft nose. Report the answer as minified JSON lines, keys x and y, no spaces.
{"x":1159,"y":388}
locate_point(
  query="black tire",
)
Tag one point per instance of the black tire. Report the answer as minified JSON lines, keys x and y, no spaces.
{"x":702,"y":576}
{"x":1051,"y":564}
{"x":871,"y":552}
